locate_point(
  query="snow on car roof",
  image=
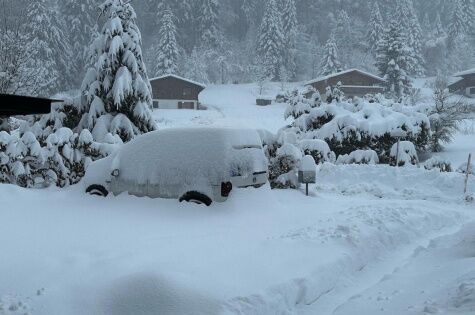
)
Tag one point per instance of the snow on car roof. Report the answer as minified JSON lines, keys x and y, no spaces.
{"x":177,"y":156}
{"x":179,"y":78}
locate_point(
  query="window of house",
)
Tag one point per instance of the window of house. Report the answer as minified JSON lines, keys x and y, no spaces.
{"x":155,"y":104}
{"x":186,"y":105}
{"x":471,"y":91}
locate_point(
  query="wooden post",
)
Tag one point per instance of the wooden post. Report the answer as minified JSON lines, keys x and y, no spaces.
{"x":469,"y":170}
{"x":306,"y":189}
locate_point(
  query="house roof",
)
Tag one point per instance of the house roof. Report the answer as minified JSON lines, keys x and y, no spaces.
{"x":464,"y":73}
{"x":344,"y":72}
{"x":15,"y":105}
{"x":179,"y":78}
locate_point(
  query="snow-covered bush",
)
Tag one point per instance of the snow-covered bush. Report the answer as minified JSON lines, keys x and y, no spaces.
{"x":359,"y":157}
{"x":318,"y":149}
{"x":283,"y":167}
{"x":61,"y":160}
{"x":301,"y":102}
{"x":438,"y":163}
{"x":407,"y":154}
{"x":362,"y":125}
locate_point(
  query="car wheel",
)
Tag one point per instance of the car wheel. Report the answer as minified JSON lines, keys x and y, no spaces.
{"x":196,"y":197}
{"x":97,"y":190}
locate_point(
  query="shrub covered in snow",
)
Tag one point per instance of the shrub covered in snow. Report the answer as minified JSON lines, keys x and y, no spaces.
{"x":283,"y":167}
{"x":318,"y":149}
{"x":407,"y":154}
{"x":359,"y":157}
{"x":60,"y":160}
{"x":438,"y":163}
{"x":362,"y":125}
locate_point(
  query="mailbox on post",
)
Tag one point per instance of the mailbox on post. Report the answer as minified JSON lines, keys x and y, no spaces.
{"x":307,"y":172}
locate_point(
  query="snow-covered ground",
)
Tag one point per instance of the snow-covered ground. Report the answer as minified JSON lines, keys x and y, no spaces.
{"x":369,"y":240}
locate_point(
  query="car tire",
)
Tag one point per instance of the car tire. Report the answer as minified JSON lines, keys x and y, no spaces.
{"x":196,"y":197}
{"x":97,"y":190}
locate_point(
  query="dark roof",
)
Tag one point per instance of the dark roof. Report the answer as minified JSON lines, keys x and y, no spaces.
{"x":324,"y":78}
{"x":179,"y":78}
{"x":15,"y":105}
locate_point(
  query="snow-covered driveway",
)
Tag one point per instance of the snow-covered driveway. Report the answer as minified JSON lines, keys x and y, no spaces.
{"x":263,"y":252}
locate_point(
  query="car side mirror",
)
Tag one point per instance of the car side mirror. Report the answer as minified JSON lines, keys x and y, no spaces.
{"x":115,"y":173}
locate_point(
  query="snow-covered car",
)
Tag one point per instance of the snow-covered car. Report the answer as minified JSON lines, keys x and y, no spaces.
{"x":198,"y":165}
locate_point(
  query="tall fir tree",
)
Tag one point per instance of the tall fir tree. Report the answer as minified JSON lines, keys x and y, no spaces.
{"x":55,"y":54}
{"x":412,"y":32}
{"x":393,"y":59}
{"x":330,"y":62}
{"x":469,"y":9}
{"x":439,"y":30}
{"x":375,"y":28}
{"x":166,"y":52}
{"x":195,"y":67}
{"x":81,"y":20}
{"x":210,"y":34}
{"x":457,"y":24}
{"x":344,"y":37}
{"x":290,"y":30}
{"x":271,"y":41}
{"x":116,"y":89}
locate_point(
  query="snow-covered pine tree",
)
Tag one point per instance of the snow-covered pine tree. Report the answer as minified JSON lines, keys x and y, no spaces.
{"x":195,"y":67}
{"x":290,"y":28}
{"x":53,"y":50}
{"x":469,"y":9}
{"x":375,"y":28}
{"x":393,"y":59}
{"x":330,"y":62}
{"x":116,"y":88}
{"x":208,"y":22}
{"x":439,"y":30}
{"x":80,"y":20}
{"x":457,"y":25}
{"x":344,"y":37}
{"x":166,"y":52}
{"x":416,"y":39}
{"x":271,"y":41}
{"x":412,"y":32}
{"x":426,"y":25}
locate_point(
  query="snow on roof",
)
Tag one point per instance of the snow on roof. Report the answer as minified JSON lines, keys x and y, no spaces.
{"x":344,"y":72}
{"x":179,"y":78}
{"x":463,"y":73}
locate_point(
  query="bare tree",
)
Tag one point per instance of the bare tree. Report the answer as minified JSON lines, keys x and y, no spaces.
{"x":445,"y":115}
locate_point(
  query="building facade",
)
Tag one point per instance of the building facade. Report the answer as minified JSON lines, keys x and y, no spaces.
{"x":174,"y":92}
{"x":464,"y":83}
{"x":354,"y":83}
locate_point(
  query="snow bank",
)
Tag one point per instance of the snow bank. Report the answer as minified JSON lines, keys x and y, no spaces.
{"x":359,"y":157}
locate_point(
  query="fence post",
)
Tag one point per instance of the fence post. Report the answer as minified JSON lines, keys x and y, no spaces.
{"x":469,"y":170}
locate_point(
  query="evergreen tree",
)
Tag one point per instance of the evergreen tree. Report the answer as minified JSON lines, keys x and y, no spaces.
{"x":116,"y":87}
{"x":271,"y":41}
{"x":469,"y":9}
{"x":393,"y":59}
{"x":457,"y":25}
{"x":412,"y":33}
{"x":330,"y":62}
{"x":210,"y":34}
{"x":54,"y":53}
{"x":166,"y":51}
{"x":80,"y":19}
{"x":290,"y":28}
{"x":375,"y":27}
{"x":195,"y":67}
{"x":344,"y":37}
{"x":426,"y":25}
{"x":439,"y":28}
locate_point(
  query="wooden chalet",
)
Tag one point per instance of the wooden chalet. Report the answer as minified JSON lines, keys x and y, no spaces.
{"x":15,"y":105}
{"x":174,"y":92}
{"x":464,"y":83}
{"x":354,"y":82}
